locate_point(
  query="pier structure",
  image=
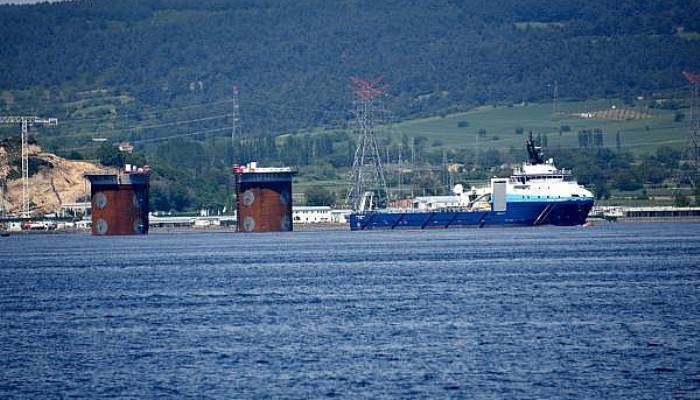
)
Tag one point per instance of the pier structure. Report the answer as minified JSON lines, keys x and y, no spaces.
{"x":263,"y":198}
{"x":119,"y":201}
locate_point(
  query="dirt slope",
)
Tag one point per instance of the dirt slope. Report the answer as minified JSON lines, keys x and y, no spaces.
{"x":57,"y":181}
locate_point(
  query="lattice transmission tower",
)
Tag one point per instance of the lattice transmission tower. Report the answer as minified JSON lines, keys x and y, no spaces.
{"x":26,"y":123}
{"x":693,"y":134}
{"x":368,"y":188}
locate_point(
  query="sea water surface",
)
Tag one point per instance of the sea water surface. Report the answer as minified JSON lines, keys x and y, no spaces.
{"x":608,"y":312}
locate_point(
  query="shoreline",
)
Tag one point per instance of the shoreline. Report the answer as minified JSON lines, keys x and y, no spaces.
{"x":342,"y":227}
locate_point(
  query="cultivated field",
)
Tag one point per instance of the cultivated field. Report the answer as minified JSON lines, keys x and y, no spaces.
{"x":641,"y":129}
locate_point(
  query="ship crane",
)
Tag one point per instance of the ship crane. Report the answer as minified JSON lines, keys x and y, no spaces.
{"x":25,"y":122}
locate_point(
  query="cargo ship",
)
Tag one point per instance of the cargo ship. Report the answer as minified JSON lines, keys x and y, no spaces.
{"x":537,"y":193}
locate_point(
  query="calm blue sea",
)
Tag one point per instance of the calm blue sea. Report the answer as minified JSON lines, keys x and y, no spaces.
{"x":606,"y":312}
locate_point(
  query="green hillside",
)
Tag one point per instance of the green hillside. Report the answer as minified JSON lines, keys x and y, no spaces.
{"x":159,"y":73}
{"x":642,"y":129}
{"x":292,"y":59}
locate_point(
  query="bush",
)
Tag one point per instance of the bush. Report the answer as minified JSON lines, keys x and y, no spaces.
{"x":110,"y":156}
{"x":680,"y":199}
{"x":463,"y":124}
{"x":626,"y":180}
{"x":318,"y":196}
{"x":35,"y":164}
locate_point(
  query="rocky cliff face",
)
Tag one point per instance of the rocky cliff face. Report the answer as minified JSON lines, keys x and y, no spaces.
{"x":53,"y":180}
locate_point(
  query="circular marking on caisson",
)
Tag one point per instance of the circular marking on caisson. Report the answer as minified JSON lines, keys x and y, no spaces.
{"x":284,"y":223}
{"x":138,"y":225}
{"x":100,"y":200}
{"x":248,"y":198}
{"x":284,"y":197}
{"x":248,"y":224}
{"x":137,"y":200}
{"x":101,"y":227}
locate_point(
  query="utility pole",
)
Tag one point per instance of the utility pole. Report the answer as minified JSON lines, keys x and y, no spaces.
{"x":25,"y":123}
{"x":476,"y":153}
{"x":413,"y":165}
{"x":2,"y":198}
{"x":400,"y":172}
{"x":445,"y":171}
{"x":555,"y":101}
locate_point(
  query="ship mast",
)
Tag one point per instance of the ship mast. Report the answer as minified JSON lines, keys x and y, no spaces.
{"x":534,"y":153}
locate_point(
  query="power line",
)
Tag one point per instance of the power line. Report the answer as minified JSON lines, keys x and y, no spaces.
{"x":152,"y":113}
{"x":162,"y":138}
{"x":145,"y":127}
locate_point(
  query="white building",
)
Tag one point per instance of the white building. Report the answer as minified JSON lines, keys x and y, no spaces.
{"x":76,"y":209}
{"x":311,"y":214}
{"x":340,"y":216}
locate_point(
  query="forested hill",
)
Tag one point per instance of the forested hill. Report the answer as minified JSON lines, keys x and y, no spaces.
{"x":292,"y":58}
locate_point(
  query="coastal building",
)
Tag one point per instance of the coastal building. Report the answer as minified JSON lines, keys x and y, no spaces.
{"x":126,"y":147}
{"x":340,"y":216}
{"x":312,"y":214}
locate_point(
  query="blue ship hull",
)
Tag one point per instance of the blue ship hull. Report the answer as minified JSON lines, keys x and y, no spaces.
{"x":562,"y":213}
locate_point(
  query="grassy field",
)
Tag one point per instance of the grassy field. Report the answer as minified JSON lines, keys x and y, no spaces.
{"x":638,"y":136}
{"x":338,"y":186}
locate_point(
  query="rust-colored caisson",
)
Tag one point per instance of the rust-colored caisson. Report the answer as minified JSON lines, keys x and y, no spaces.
{"x":120,"y":202}
{"x":263,"y":198}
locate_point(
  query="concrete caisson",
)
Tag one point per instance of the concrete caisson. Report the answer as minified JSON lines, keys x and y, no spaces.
{"x":263,"y":198}
{"x":119,"y":202}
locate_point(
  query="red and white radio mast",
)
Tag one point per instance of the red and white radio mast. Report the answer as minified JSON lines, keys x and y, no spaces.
{"x":236,"y":120}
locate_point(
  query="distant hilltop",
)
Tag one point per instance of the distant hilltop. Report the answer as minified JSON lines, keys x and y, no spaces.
{"x":292,"y":59}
